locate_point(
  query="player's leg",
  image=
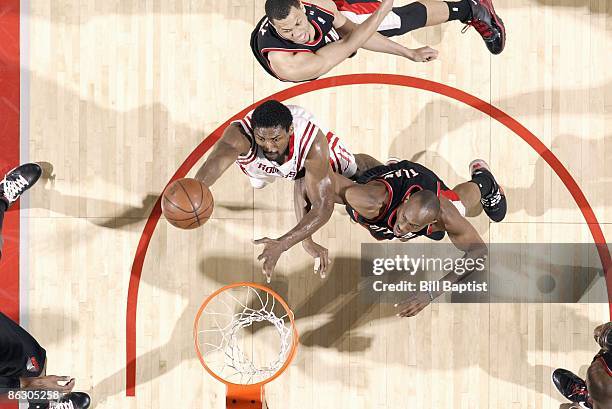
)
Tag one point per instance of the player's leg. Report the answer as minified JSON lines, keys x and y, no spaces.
{"x":469,"y":193}
{"x":599,"y":381}
{"x":14,"y":184}
{"x":477,"y":13}
{"x":482,"y":192}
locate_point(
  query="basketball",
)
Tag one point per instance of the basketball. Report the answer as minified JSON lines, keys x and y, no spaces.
{"x":187,"y":203}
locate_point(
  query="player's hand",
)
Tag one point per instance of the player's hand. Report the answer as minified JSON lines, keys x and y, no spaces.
{"x":423,"y":54}
{"x":49,"y":383}
{"x":273,"y":249}
{"x":413,"y":304}
{"x":319,"y":253}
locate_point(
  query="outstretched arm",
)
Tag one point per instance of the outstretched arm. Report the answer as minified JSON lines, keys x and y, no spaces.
{"x":232,"y":144}
{"x":319,"y":185}
{"x":307,"y":66}
{"x":379,"y":43}
{"x":465,"y":237}
{"x":301,"y":205}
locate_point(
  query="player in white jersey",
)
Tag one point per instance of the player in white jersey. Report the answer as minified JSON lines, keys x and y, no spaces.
{"x":278,"y":141}
{"x":263,"y":171}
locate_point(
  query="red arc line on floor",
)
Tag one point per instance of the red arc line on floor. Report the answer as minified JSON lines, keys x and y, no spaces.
{"x":343,"y":80}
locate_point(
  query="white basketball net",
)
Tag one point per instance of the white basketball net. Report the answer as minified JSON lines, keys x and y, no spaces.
{"x":235,"y":338}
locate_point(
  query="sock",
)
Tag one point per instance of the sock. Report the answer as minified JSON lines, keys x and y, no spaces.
{"x":484,"y":181}
{"x":459,"y":10}
{"x":412,"y":17}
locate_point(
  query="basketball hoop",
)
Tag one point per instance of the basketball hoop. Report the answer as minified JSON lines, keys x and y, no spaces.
{"x":245,"y":337}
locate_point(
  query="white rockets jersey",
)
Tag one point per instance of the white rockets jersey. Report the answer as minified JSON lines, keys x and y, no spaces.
{"x":305,"y":128}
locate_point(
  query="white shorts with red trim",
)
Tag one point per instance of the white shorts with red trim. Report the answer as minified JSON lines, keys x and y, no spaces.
{"x":342,"y":161}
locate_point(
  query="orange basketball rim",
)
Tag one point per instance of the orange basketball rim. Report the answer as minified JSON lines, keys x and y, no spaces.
{"x":233,"y":333}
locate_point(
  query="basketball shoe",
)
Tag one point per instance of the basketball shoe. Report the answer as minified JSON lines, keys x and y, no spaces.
{"x":72,"y":400}
{"x":572,"y":387}
{"x":488,"y":24}
{"x":493,"y":203}
{"x":18,"y":181}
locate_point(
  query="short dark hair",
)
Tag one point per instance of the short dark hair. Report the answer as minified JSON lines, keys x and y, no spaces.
{"x":271,"y":114}
{"x":279,"y":9}
{"x":428,"y":201}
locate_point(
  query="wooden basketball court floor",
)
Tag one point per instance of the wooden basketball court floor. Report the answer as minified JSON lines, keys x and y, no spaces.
{"x":121,"y":92}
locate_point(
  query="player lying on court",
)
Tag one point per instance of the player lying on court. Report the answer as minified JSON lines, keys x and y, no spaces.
{"x":405,"y":200}
{"x":596,"y":391}
{"x":14,"y":184}
{"x":278,"y":141}
{"x":302,"y":40}
{"x":23,"y":367}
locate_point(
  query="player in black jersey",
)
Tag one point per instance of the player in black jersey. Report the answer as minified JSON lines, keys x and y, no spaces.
{"x":596,"y":391}
{"x":23,"y":366}
{"x":302,"y":40}
{"x":405,"y":200}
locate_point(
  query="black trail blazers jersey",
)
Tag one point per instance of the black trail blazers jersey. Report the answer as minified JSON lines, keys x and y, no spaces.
{"x":265,"y":38}
{"x":401,"y":179}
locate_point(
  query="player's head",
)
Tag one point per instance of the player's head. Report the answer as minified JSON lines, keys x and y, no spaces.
{"x":289,"y":19}
{"x":272,"y":126}
{"x":419,"y":210}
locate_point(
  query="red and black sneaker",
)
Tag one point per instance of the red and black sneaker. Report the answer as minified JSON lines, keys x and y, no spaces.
{"x":488,"y":24}
{"x":494,"y":202}
{"x":572,"y":387}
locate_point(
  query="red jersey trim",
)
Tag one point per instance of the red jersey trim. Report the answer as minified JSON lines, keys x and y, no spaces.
{"x":450,"y":195}
{"x":291,"y":140}
{"x":406,"y":195}
{"x":333,"y":151}
{"x":303,"y":140}
{"x":382,"y":214}
{"x":318,"y":28}
{"x":306,"y":141}
{"x":357,"y":8}
{"x":284,"y":50}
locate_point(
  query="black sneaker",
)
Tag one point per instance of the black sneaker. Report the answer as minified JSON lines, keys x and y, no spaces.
{"x":494,"y":204}
{"x":18,"y":181}
{"x":488,"y":24}
{"x":572,"y":387}
{"x":73,"y":400}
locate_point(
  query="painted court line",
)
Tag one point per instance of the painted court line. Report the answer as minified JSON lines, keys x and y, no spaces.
{"x":344,"y":80}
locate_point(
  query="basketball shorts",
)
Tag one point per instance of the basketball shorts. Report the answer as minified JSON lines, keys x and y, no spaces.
{"x":20,"y":354}
{"x":358,"y":11}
